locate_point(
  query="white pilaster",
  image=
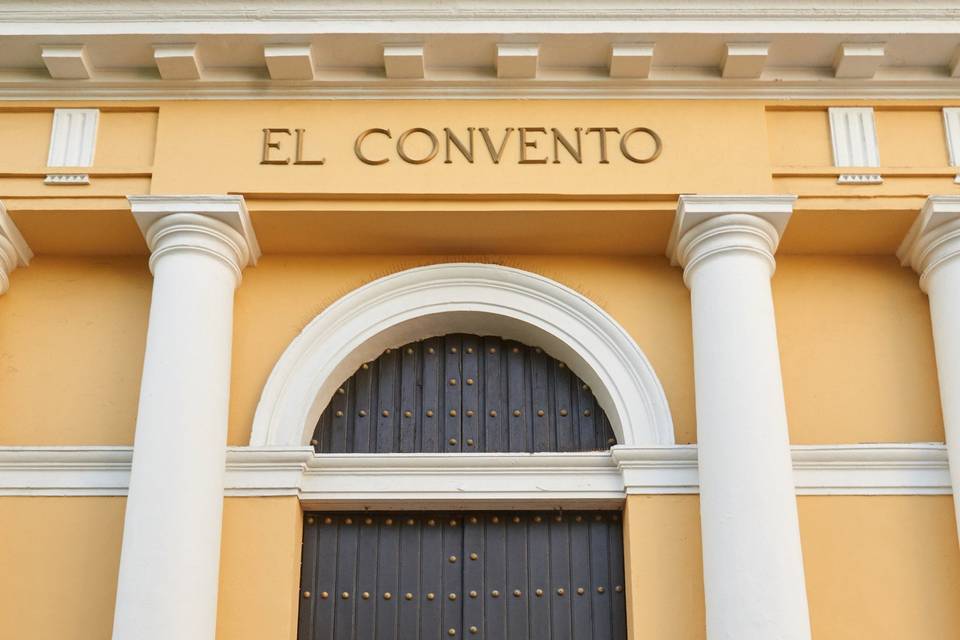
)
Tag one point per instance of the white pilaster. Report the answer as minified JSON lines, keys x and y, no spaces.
{"x":752,"y":560}
{"x":169,"y":564}
{"x":14,"y":251}
{"x":932,"y":247}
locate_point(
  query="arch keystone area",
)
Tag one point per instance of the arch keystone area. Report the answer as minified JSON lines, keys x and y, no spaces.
{"x":462,"y":298}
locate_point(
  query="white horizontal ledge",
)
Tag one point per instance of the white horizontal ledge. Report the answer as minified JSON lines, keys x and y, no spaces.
{"x":542,"y":478}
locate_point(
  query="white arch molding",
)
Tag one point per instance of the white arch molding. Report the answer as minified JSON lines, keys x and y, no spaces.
{"x":482,"y":299}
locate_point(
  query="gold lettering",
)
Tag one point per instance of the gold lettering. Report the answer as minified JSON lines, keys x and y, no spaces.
{"x":495,"y":154}
{"x":603,"y":140}
{"x":358,"y":150}
{"x":301,"y":134}
{"x":529,"y":144}
{"x":452,"y":137}
{"x":434,"y":146}
{"x":559,"y":138}
{"x":657,"y":145}
{"x":269,"y":144}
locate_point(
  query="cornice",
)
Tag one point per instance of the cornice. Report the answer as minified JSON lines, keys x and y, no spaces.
{"x":349,"y":481}
{"x":210,"y":224}
{"x":107,"y":50}
{"x":934,"y":237}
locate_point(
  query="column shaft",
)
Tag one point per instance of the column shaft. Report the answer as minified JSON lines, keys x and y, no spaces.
{"x":932,"y":248}
{"x":943,"y":287}
{"x":752,"y":561}
{"x":170,"y":559}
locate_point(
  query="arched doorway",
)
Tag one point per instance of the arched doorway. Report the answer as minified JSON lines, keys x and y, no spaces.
{"x":564,"y":383}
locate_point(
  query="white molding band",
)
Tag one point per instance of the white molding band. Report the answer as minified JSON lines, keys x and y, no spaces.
{"x":14,"y":251}
{"x":468,"y":298}
{"x":352,"y":480}
{"x":932,"y":249}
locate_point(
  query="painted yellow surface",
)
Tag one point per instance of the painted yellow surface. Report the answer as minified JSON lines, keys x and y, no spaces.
{"x":72,"y":335}
{"x":126,"y":140}
{"x":707,"y":146}
{"x":883,"y":568}
{"x":856,"y":351}
{"x":799,"y":138}
{"x":59,"y":559}
{"x":664,"y":568}
{"x":910,"y":138}
{"x":284,"y":293}
{"x":260,"y":569}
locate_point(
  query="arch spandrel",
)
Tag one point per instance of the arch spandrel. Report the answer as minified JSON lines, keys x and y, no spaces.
{"x":469,"y":298}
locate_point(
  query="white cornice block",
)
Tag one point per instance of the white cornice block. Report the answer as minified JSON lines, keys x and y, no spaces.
{"x":177,"y":61}
{"x":517,"y":60}
{"x":67,"y":62}
{"x":858,"y":61}
{"x":73,"y":137}
{"x":853,"y":135}
{"x":692,"y":210}
{"x":289,"y":62}
{"x":404,"y":62}
{"x":631,"y":60}
{"x":955,"y":64}
{"x":744,"y":61}
{"x":9,"y":231}
{"x":229,"y":209}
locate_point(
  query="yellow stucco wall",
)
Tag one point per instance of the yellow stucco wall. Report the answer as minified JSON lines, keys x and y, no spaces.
{"x":883,"y":568}
{"x":856,"y":347}
{"x":260,"y":569}
{"x":856,"y":351}
{"x":72,"y":334}
{"x":58,"y":561}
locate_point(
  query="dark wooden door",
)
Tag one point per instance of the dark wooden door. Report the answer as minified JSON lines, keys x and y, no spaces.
{"x":463,"y":394}
{"x":493,"y":575}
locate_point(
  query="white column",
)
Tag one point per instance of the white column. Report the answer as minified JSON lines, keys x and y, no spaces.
{"x":752,"y":561}
{"x":169,"y":564}
{"x":14,"y":251}
{"x":932,"y":247}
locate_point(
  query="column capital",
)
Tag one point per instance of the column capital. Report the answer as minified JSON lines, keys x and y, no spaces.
{"x":711,"y":225}
{"x":14,"y":251}
{"x":934,"y":238}
{"x":214,"y":225}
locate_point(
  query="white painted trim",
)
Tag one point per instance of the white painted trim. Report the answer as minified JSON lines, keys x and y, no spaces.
{"x":469,"y":298}
{"x":661,"y":86}
{"x":73,"y":137}
{"x":853,"y":136}
{"x":951,"y":124}
{"x":352,"y":480}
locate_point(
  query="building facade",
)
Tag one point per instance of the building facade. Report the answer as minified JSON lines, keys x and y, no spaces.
{"x":479,"y":319}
